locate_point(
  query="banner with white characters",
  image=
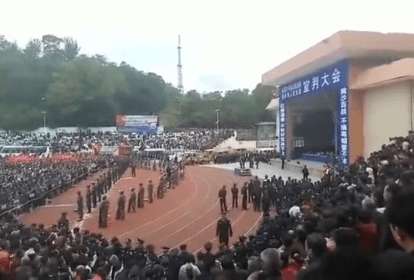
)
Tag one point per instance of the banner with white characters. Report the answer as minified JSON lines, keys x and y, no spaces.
{"x":332,"y":78}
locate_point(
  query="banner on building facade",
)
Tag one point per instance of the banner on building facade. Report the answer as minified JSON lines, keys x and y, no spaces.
{"x":332,"y":78}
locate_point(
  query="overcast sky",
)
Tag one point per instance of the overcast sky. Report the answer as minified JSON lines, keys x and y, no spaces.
{"x":225,"y":44}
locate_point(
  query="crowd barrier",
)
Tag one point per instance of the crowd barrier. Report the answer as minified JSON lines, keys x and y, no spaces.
{"x":43,"y":198}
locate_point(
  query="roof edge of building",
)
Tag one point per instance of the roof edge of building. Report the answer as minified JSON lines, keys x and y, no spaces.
{"x":345,"y":44}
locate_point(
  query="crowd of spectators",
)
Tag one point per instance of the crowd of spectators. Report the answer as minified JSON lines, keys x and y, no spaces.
{"x":86,"y":140}
{"x":359,"y":225}
{"x":37,"y":177}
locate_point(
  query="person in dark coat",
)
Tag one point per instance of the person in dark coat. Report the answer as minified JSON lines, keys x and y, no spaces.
{"x":305,"y":173}
{"x":235,"y":194}
{"x":250,"y":188}
{"x":80,"y":205}
{"x":99,"y":190}
{"x":63,"y":222}
{"x":94,"y":195}
{"x":150,"y":189}
{"x":88,"y":199}
{"x":244,"y":196}
{"x":132,"y":201}
{"x":103,"y":213}
{"x":222,"y":196}
{"x":133,"y":172}
{"x":141,"y":193}
{"x":120,"y":213}
{"x":224,"y":230}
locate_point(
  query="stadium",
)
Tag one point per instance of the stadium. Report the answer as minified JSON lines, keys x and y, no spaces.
{"x":185,"y":193}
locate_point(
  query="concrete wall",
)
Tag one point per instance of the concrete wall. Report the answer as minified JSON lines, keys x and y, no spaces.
{"x":387,"y":113}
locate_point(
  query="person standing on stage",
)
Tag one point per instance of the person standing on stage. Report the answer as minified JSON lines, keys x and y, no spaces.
{"x":244,"y":196}
{"x":120,"y":213}
{"x":103,"y":213}
{"x":80,"y":205}
{"x":132,"y":201}
{"x":141,"y":193}
{"x":88,"y":199}
{"x":150,"y":189}
{"x":222,"y":196}
{"x":235,"y":194}
{"x":224,"y":230}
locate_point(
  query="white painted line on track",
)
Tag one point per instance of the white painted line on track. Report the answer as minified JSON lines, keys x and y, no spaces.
{"x":166,"y":214}
{"x":193,"y":221}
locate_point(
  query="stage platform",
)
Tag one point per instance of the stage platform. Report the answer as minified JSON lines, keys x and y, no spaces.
{"x":315,"y":168}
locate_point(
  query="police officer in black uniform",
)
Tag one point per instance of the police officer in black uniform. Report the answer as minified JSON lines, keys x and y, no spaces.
{"x":244,"y":196}
{"x":88,"y":199}
{"x":94,"y":195}
{"x":224,"y":230}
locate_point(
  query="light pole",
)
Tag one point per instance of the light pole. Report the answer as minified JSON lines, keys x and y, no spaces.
{"x":217,"y":121}
{"x":44,"y":115}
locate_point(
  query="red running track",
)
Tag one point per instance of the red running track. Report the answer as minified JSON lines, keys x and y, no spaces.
{"x":187,"y":214}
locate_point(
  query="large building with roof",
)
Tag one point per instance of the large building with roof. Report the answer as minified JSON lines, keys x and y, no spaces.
{"x":358,"y":86}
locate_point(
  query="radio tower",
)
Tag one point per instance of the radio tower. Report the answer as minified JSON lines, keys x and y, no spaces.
{"x":179,"y":68}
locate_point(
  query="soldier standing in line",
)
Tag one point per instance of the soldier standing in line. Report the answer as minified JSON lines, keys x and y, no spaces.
{"x":98,"y":190}
{"x":250,"y":188}
{"x":120,"y":213}
{"x":113,"y":175}
{"x":104,"y":184}
{"x":141,"y":193}
{"x":244,"y":196}
{"x":109,"y":180}
{"x":160,"y":188}
{"x":150,"y":191}
{"x":103,"y":213}
{"x":88,"y":199}
{"x":80,"y":206}
{"x":222,"y":196}
{"x":93,"y":192}
{"x":224,"y":230}
{"x":235,"y":194}
{"x":132,"y":201}
{"x":133,"y":169}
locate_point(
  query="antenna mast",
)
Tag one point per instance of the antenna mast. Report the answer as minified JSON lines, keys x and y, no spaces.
{"x":179,"y":68}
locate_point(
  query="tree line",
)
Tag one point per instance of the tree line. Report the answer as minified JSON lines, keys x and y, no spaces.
{"x":50,"y":76}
